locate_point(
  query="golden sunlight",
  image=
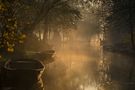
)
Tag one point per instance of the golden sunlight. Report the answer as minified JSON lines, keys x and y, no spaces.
{"x":91,"y":88}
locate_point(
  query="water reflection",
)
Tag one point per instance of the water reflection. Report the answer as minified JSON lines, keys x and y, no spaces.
{"x":75,"y":67}
{"x":91,"y":88}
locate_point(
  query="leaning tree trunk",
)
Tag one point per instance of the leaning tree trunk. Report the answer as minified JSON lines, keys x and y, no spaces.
{"x":45,"y":35}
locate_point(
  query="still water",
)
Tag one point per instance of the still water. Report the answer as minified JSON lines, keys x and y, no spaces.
{"x":75,"y":67}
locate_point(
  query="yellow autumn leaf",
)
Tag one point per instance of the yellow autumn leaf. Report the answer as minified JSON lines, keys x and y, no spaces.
{"x":2,"y":7}
{"x":9,"y":19}
{"x":15,"y":25}
{"x":8,"y":44}
{"x":23,"y":36}
{"x":10,"y":49}
{"x":20,"y":41}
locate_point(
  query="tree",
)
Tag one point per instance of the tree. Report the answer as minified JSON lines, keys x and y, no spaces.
{"x":9,"y":35}
{"x":121,"y":34}
{"x":123,"y":9}
{"x":62,"y":16}
{"x":24,"y":16}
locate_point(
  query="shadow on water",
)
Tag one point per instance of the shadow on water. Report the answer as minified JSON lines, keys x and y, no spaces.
{"x":115,"y":71}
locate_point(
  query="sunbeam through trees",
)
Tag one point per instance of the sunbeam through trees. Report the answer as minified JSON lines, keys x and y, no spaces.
{"x":67,"y":45}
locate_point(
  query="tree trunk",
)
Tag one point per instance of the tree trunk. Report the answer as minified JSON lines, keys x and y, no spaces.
{"x":45,"y":33}
{"x":131,"y":27}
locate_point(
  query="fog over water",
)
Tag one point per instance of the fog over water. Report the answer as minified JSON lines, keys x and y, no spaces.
{"x":75,"y":66}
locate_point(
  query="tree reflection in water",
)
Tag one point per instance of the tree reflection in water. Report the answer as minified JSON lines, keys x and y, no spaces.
{"x":75,"y":68}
